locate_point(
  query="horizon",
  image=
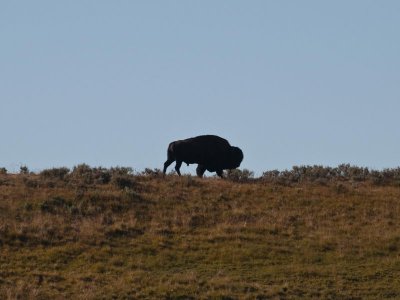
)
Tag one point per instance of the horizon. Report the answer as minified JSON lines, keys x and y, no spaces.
{"x":171,"y":171}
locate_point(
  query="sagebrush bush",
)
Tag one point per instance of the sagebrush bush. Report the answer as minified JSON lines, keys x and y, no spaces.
{"x":238,"y":175}
{"x":85,"y":174}
{"x":82,"y":173}
{"x":123,"y":181}
{"x":152,"y":172}
{"x":30,"y":182}
{"x":55,"y":204}
{"x":55,"y":173}
{"x":23,"y":170}
{"x":324,"y":175}
{"x":121,"y":171}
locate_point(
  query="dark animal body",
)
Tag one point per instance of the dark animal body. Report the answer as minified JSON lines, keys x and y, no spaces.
{"x":210,"y":152}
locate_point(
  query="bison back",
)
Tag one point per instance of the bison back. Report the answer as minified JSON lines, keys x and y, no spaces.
{"x":207,"y":150}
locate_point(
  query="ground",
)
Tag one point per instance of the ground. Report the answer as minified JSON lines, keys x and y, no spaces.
{"x":154,"y":237}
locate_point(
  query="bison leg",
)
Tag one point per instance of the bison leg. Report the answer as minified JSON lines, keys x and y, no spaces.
{"x":220,"y":173}
{"x":200,"y":170}
{"x":178,"y":166}
{"x":167,"y":163}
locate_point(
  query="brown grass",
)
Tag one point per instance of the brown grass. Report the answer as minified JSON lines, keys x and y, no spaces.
{"x":189,"y":238}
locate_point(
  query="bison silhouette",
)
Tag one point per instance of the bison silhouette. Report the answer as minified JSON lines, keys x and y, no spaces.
{"x":210,"y":152}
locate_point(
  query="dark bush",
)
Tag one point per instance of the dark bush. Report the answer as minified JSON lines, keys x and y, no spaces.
{"x":55,"y":173}
{"x":55,"y":205}
{"x":23,"y":170}
{"x":124,"y":231}
{"x":101,"y":175}
{"x":270,"y":176}
{"x":30,"y":183}
{"x":238,"y":175}
{"x":152,"y":172}
{"x":3,"y":171}
{"x":121,"y":171}
{"x":84,"y":174}
{"x":123,"y":181}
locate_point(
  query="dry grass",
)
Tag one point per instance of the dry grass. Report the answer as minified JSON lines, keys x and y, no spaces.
{"x":189,"y":238}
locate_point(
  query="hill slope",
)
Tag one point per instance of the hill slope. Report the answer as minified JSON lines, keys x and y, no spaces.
{"x":180,"y":238}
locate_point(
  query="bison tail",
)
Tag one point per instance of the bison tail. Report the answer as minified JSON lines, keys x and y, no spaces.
{"x":170,"y":157}
{"x":171,"y":151}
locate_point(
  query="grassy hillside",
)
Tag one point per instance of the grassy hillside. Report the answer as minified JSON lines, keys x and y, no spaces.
{"x":106,"y":234}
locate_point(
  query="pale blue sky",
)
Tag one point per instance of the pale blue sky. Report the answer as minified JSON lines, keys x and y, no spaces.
{"x":113,"y":82}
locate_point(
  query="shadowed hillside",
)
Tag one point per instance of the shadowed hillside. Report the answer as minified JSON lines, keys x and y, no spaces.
{"x":95,"y":233}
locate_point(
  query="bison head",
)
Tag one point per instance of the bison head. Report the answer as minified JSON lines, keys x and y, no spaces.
{"x":236,"y":157}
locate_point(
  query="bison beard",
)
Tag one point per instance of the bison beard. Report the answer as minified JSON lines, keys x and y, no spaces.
{"x":210,"y":152}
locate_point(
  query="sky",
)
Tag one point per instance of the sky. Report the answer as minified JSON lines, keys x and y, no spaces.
{"x":112,"y":83}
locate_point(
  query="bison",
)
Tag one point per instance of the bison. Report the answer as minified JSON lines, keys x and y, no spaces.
{"x":210,"y":152}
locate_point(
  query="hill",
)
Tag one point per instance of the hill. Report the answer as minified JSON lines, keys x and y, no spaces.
{"x":98,"y":233}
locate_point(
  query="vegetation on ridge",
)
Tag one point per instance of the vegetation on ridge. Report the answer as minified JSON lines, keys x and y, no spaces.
{"x":97,"y":233}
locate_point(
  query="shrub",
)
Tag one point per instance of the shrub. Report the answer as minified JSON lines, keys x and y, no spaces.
{"x":55,"y":173}
{"x":123,"y":181}
{"x":270,"y":176}
{"x":30,"y":183}
{"x":101,"y":175}
{"x":23,"y":170}
{"x":121,"y":171}
{"x":3,"y":171}
{"x":152,"y":172}
{"x":123,"y":231}
{"x":55,"y":205}
{"x":84,"y":174}
{"x":238,"y":175}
